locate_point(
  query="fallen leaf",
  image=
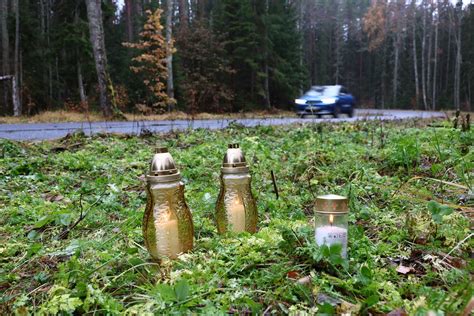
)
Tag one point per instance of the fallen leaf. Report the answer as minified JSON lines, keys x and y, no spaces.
{"x":292,"y":274}
{"x":397,"y":312}
{"x":304,"y":280}
{"x":404,"y":270}
{"x":347,"y":308}
{"x":421,"y":240}
{"x":324,"y":298}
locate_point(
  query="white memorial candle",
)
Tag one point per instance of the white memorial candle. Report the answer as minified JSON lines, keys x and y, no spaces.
{"x":167,"y":239}
{"x":329,"y":235}
{"x":236,"y":216}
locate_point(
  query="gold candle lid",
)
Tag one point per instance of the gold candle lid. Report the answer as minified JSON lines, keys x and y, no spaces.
{"x":331,"y":203}
{"x":234,"y":160}
{"x":162,"y":167}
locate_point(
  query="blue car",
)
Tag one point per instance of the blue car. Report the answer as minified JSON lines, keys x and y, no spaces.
{"x":323,"y":100}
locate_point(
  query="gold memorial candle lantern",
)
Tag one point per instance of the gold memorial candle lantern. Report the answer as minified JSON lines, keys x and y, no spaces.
{"x":331,"y":221}
{"x":236,"y":209}
{"x":167,"y":223}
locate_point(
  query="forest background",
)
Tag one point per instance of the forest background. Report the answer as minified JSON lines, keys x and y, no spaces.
{"x":232,"y":55}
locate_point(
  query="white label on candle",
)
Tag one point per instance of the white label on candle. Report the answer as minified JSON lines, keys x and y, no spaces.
{"x":329,"y":235}
{"x":167,"y":239}
{"x":236,"y":215}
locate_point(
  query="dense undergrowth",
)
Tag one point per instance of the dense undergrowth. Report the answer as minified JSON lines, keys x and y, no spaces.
{"x":410,"y":186}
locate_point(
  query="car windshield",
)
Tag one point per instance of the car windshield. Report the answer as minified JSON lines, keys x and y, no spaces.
{"x":323,"y":91}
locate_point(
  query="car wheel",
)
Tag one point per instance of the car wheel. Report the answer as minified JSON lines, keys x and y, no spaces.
{"x":336,"y":112}
{"x":318,"y":115}
{"x":350,"y":113}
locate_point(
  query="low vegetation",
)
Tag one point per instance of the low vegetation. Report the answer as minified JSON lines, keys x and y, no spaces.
{"x":72,"y":208}
{"x":72,"y":116}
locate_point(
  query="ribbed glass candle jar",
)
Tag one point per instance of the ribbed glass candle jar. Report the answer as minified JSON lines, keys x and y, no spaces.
{"x":167,"y":223}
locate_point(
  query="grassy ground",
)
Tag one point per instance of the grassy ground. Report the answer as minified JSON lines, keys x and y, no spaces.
{"x":410,"y":187}
{"x":68,"y":116}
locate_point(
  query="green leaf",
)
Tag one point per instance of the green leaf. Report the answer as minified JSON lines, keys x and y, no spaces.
{"x":132,"y":250}
{"x":136,"y":261}
{"x":166,"y":292}
{"x":34,"y":249}
{"x":438,"y":211}
{"x":64,"y":219}
{"x":365,"y":275}
{"x":372,"y":300}
{"x":43,"y":221}
{"x":32,"y":235}
{"x":335,"y":249}
{"x":181,"y":290}
{"x":254,"y":306}
{"x":336,"y":259}
{"x":325,"y":251}
{"x":326,"y":309}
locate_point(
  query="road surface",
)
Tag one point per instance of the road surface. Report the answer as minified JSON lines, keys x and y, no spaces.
{"x":43,"y":131}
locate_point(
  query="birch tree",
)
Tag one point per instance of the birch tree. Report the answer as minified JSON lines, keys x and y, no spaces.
{"x":458,"y":60}
{"x":169,"y":52}
{"x":5,"y":48}
{"x":423,"y":58}
{"x":398,"y":15}
{"x":16,"y":63}
{"x":414,"y":53}
{"x":435,"y":57}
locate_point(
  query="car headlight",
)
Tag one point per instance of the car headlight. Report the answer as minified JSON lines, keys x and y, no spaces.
{"x":328,"y":100}
{"x":300,"y":101}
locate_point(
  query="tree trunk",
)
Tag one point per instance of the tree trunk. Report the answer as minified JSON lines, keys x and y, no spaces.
{"x":448,"y":58}
{"x":435,"y":66}
{"x":48,"y":41}
{"x":129,"y":20}
{"x":96,"y":30}
{"x":16,"y":65}
{"x":15,"y":97}
{"x":300,"y":22}
{"x":415,"y":60}
{"x":338,"y":39}
{"x":457,"y":69}
{"x":423,"y":59}
{"x":395,"y":67}
{"x":169,"y":58}
{"x":5,"y":48}
{"x":80,"y":82}
{"x":266,"y":84}
{"x":183,"y":13}
{"x":428,"y":58}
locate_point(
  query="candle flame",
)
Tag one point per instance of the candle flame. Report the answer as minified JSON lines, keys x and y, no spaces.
{"x":331,"y":219}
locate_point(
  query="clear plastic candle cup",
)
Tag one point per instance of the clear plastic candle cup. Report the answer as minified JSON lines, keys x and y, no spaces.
{"x":331,"y":220}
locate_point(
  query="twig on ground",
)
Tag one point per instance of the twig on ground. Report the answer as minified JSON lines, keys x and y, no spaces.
{"x":457,"y":246}
{"x":83,"y":215}
{"x":275,"y":184}
{"x":469,"y":308}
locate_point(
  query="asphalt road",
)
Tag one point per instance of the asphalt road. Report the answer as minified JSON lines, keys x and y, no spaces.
{"x":43,"y":131}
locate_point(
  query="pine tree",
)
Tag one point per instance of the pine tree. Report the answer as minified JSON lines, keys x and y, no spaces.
{"x":151,"y":63}
{"x":286,"y":73}
{"x":236,"y":24}
{"x":203,"y":69}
